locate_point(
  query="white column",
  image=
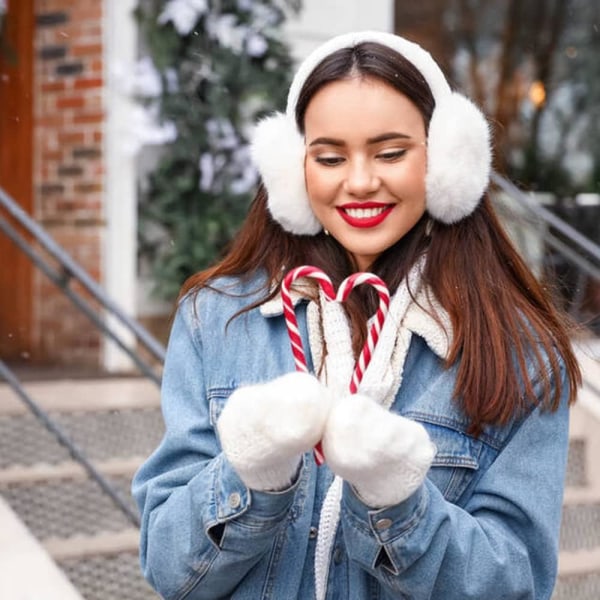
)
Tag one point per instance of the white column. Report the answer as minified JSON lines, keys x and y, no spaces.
{"x":120,"y":243}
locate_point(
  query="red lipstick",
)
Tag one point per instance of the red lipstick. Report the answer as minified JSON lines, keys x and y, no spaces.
{"x":364,"y":214}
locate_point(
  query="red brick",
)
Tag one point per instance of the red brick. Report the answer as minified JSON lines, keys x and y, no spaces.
{"x":86,"y":50}
{"x":88,"y":118}
{"x":95,"y":66}
{"x":71,"y":138}
{"x":52,"y":155}
{"x":50,"y":121}
{"x":94,"y":82}
{"x":88,"y":187}
{"x":54,"y":5}
{"x":70,"y":102}
{"x":90,"y":12}
{"x":52,"y":86}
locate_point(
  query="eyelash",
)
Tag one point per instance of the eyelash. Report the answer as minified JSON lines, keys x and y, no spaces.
{"x":333,"y":161}
{"x":392,"y":155}
{"x":328,"y":161}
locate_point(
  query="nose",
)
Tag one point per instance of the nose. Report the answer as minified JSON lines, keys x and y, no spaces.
{"x":361,"y":178}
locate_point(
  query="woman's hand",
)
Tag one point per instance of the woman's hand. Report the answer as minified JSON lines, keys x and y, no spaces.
{"x":265,"y":428}
{"x":384,"y":456}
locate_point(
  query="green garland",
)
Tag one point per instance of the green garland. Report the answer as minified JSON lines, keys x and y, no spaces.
{"x":220,"y":73}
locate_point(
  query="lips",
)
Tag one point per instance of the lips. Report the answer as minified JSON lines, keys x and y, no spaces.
{"x":365,"y":214}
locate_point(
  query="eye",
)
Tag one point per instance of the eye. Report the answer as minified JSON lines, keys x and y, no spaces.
{"x":392,"y":155}
{"x":329,"y":161}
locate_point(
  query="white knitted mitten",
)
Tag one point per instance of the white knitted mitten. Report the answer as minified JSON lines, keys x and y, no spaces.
{"x":265,"y":428}
{"x":384,"y":456}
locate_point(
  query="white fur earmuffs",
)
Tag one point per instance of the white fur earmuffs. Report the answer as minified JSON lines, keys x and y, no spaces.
{"x":458,"y":143}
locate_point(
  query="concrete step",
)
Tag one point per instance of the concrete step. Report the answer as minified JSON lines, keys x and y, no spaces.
{"x":103,"y":566}
{"x":78,"y":527}
{"x":69,"y":519}
{"x":583,"y":468}
{"x":82,"y":395}
{"x":579,"y":559}
{"x":67,"y":507}
{"x":105,"y":418}
{"x":100,"y":434}
{"x":577,"y":464}
{"x":580,"y":526}
{"x":579,"y":575}
{"x":108,"y":577}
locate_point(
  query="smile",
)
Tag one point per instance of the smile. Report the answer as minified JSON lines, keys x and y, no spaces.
{"x":365,"y":215}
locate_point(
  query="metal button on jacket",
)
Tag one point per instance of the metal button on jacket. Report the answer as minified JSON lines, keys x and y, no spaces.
{"x":383,"y":524}
{"x":235,"y":500}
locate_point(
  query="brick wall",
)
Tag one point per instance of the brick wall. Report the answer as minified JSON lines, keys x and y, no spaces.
{"x":68,"y":165}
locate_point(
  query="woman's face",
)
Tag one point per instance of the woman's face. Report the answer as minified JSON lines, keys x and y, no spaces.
{"x":365,"y":164}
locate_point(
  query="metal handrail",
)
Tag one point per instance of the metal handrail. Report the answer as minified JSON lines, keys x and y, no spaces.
{"x":592,"y":249}
{"x":61,"y":280}
{"x":579,"y":250}
{"x":72,"y":269}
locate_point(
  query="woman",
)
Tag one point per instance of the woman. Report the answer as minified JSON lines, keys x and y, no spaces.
{"x":443,"y":475}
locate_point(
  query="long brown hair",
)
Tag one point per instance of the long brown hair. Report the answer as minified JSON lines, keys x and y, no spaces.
{"x":501,"y":316}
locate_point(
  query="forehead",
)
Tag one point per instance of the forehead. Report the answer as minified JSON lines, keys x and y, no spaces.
{"x":359,"y":105}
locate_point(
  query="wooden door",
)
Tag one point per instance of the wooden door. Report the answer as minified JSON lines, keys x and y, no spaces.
{"x":16,"y":134}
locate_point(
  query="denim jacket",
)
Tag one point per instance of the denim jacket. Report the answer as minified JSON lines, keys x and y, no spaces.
{"x":484,"y":525}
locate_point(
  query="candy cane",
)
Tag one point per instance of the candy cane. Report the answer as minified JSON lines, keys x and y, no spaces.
{"x":290,"y":314}
{"x":384,"y":303}
{"x":343,"y":292}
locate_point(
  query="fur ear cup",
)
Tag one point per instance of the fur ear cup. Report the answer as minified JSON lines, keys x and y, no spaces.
{"x":278,"y":152}
{"x":459,"y":159}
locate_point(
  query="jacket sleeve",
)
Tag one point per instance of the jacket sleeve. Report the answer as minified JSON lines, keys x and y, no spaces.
{"x":502,"y":544}
{"x":202,"y":530}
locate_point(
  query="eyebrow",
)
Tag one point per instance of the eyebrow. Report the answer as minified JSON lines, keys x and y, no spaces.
{"x":384,"y":137}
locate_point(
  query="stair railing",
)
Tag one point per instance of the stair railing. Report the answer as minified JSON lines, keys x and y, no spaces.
{"x":555,"y":233}
{"x":70,"y":271}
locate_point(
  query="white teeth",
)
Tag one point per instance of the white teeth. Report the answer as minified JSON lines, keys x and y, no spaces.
{"x":364,"y":213}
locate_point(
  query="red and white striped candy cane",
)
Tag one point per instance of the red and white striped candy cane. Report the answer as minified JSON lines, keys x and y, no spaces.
{"x":343,"y":292}
{"x":292,"y":322}
{"x":289,"y":313}
{"x":373,"y":337}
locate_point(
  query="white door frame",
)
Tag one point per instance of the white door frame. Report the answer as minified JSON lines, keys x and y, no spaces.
{"x":120,"y":199}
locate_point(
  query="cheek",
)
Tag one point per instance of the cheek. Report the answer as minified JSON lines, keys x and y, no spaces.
{"x":318,"y":183}
{"x":412,"y":180}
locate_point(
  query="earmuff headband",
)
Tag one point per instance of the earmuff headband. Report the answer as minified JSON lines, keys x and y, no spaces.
{"x":458,"y":143}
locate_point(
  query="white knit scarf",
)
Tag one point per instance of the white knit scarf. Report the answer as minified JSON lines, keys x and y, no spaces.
{"x":381,"y":382}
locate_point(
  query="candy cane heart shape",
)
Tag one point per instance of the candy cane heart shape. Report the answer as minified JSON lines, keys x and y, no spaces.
{"x":343,"y":292}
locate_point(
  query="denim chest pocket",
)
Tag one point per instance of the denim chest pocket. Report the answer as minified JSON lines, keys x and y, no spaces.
{"x":217,"y":398}
{"x":456,"y":462}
